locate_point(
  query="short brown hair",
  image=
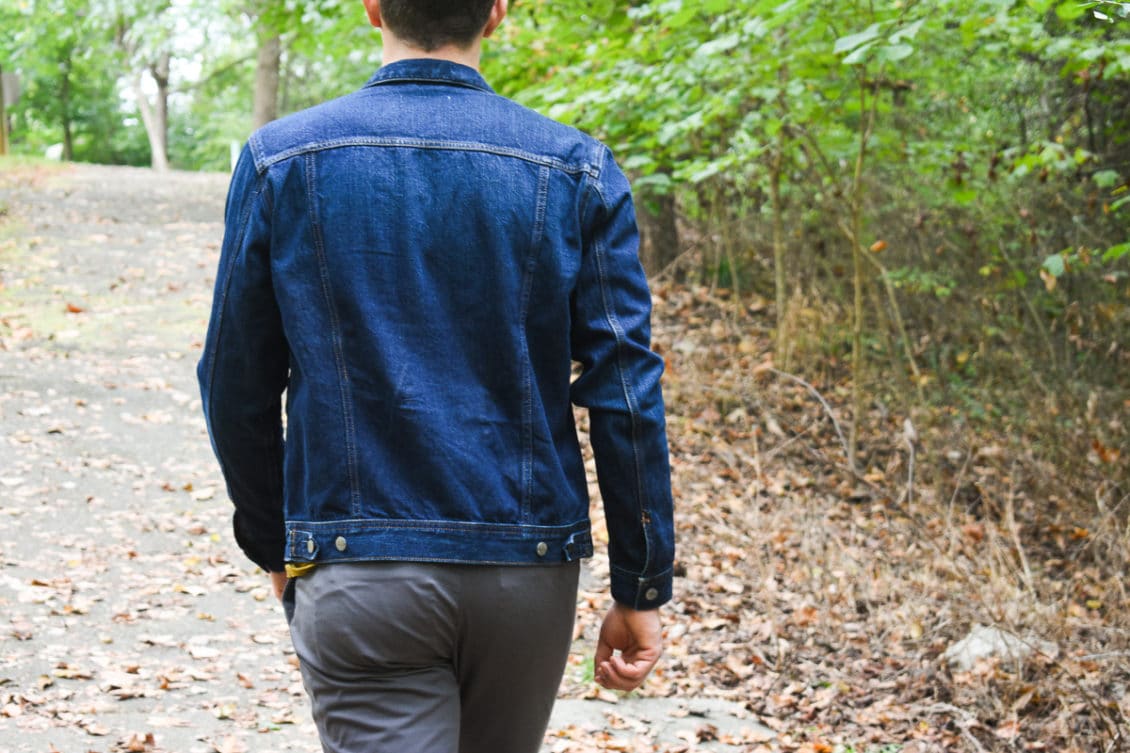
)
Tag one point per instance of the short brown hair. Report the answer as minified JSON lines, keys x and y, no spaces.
{"x":430,"y":24}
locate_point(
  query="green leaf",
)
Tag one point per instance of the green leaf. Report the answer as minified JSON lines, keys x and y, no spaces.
{"x":1070,"y":10}
{"x":1017,"y":280}
{"x":894,"y":52}
{"x":658,"y":182}
{"x":722,"y":44}
{"x":852,"y":41}
{"x":1115,"y":253}
{"x":639,"y":162}
{"x":682,"y":18}
{"x":1105,"y":178}
{"x":1055,"y":265}
{"x":708,"y":171}
{"x":755,"y":27}
{"x":907,"y":32}
{"x":859,"y":55}
{"x":1091,"y":53}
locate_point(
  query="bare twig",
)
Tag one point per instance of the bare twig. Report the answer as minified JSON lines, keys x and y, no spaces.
{"x":1103,"y":655}
{"x":967,"y":719}
{"x":896,"y":311}
{"x":676,"y":262}
{"x":827,"y":408}
{"x":1014,"y":529}
{"x":969,"y":736}
{"x":909,"y":435}
{"x":956,"y":489}
{"x":785,"y":445}
{"x":757,"y":461}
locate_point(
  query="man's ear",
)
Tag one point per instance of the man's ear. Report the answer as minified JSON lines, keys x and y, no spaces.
{"x":497,"y":13}
{"x":373,"y":8}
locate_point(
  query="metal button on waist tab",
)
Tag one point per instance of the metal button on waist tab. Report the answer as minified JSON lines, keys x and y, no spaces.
{"x":339,"y":542}
{"x":651,"y":594}
{"x":542,"y":548}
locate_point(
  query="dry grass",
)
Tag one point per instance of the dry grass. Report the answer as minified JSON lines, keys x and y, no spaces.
{"x":852,"y":589}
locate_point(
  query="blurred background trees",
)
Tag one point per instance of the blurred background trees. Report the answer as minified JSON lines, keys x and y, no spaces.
{"x":927,"y":203}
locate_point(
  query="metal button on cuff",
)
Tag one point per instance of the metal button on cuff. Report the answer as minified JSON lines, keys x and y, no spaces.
{"x":651,"y":594}
{"x":542,"y":548}
{"x":339,"y":542}
{"x":310,"y":545}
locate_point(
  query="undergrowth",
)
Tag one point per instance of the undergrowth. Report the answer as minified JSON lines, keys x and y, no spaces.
{"x":858,"y":584}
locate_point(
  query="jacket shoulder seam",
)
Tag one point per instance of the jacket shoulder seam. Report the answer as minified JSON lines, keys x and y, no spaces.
{"x":264,"y":160}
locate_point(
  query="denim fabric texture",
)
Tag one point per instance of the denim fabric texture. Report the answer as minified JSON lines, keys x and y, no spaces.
{"x":416,"y":266}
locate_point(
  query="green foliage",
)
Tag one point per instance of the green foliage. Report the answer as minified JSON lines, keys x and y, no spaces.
{"x":67,"y":67}
{"x":80,"y":61}
{"x":983,"y":140}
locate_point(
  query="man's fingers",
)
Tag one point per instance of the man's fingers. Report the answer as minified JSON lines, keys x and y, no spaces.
{"x":636,"y":669}
{"x":619,"y":675}
{"x":603,"y":652}
{"x":638,"y":637}
{"x":608,"y":677}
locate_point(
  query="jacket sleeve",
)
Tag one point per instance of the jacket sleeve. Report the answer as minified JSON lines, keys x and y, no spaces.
{"x":243,"y":372}
{"x":620,"y":386}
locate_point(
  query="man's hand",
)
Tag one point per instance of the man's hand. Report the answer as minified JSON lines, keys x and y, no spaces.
{"x":278,"y":584}
{"x":638,"y":636}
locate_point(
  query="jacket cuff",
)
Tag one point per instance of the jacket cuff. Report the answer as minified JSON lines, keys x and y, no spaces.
{"x":269,"y":557}
{"x":641,"y":593}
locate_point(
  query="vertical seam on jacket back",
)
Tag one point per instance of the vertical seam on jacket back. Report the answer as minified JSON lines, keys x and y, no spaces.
{"x":335,"y":336}
{"x":527,"y":361}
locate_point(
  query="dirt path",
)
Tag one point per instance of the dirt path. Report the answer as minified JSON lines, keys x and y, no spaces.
{"x":128,"y":610}
{"x":129,"y":621}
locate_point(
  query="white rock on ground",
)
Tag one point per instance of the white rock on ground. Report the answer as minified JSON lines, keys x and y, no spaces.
{"x":987,"y":642}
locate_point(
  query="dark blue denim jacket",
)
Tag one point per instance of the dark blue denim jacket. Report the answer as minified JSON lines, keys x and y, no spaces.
{"x":417,"y":266}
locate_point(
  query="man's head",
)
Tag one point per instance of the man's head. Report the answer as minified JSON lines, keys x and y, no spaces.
{"x":429,"y":25}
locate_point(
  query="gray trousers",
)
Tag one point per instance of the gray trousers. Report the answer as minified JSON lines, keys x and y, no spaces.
{"x":400,"y":657}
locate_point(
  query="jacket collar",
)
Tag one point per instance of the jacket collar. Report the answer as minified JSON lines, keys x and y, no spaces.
{"x":427,"y":70}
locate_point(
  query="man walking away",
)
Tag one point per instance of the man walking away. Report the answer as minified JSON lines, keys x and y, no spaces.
{"x":417,"y":266}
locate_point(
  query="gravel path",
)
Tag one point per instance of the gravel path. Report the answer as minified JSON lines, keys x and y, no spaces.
{"x":129,"y":621}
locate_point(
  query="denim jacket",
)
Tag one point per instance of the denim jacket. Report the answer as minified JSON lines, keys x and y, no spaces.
{"x":417,"y":266}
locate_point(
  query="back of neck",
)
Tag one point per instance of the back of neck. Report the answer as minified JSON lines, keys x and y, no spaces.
{"x":393,"y":50}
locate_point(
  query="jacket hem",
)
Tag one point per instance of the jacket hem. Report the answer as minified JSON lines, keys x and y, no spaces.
{"x":436,"y":541}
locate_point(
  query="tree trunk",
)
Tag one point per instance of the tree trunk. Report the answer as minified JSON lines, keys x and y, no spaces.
{"x":160,"y":155}
{"x":154,"y":125}
{"x":659,"y":234}
{"x":65,"y":101}
{"x":780,"y":280}
{"x":855,"y":235}
{"x":266,"y":99}
{"x":3,"y":118}
{"x":68,"y":140}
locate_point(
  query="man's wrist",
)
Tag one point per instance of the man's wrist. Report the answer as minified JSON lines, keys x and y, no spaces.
{"x":639,"y":593}
{"x":628,"y":608}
